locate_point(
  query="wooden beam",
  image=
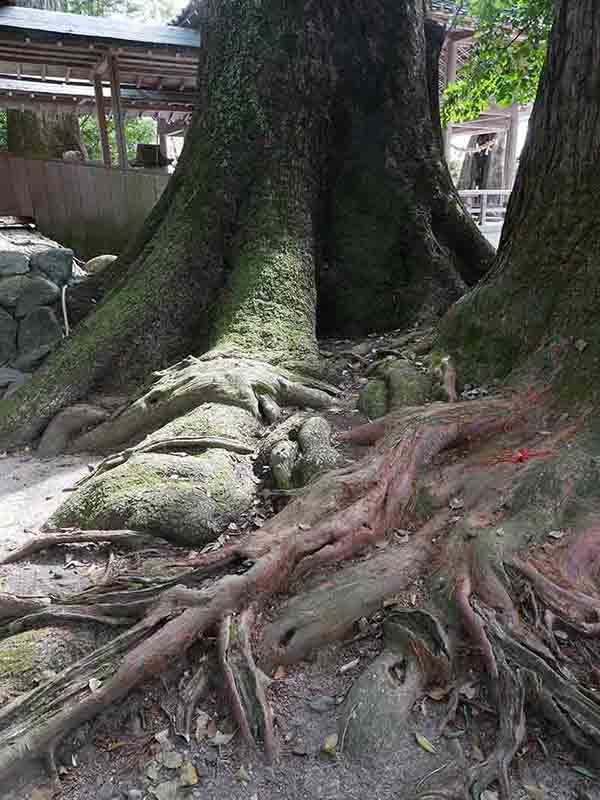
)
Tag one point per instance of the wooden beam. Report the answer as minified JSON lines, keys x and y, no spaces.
{"x":115,"y":93}
{"x":101,"y":113}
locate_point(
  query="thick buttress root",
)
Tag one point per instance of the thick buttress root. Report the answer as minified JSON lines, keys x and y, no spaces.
{"x":337,"y":517}
{"x":255,"y":386}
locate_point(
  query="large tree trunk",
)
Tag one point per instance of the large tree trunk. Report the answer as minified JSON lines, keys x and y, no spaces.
{"x":541,"y":294}
{"x":311,"y":152}
{"x":44,"y":134}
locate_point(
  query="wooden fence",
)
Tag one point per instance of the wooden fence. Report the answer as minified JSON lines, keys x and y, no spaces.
{"x":91,"y":208}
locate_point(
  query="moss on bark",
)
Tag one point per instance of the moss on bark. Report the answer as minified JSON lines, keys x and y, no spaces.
{"x":272,"y":185}
{"x":538,"y":306}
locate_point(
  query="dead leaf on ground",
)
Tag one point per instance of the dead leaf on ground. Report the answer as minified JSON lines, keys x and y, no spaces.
{"x":242,"y":775}
{"x":439,"y":692}
{"x":534,"y":791}
{"x":220,"y":739}
{"x":424,"y":743}
{"x":94,"y":684}
{"x":188,"y":774}
{"x":330,"y":744}
{"x":202,"y":723}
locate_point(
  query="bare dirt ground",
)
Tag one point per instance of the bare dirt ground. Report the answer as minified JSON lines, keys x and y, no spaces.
{"x":132,"y":753}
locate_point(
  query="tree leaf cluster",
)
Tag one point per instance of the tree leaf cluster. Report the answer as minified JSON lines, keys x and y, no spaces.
{"x":506,"y":59}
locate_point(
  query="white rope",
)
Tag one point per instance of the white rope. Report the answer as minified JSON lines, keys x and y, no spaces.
{"x":64,"y":311}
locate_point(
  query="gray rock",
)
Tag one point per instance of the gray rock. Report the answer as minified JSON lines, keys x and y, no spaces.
{"x":98,"y":264}
{"x":32,"y":360}
{"x":11,"y":289}
{"x":9,"y":376}
{"x":27,"y":292}
{"x":407,"y":386}
{"x":38,"y":333}
{"x":10,"y":380}
{"x":12,"y":262}
{"x":8,"y":338}
{"x":55,"y":264}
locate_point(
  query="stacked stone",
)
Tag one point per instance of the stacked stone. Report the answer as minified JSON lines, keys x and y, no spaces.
{"x":30,"y":289}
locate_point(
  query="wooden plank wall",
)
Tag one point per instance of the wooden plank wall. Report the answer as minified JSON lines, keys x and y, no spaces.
{"x":89,"y":207}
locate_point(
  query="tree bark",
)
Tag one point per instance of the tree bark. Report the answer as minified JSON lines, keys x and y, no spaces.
{"x":303,"y":160}
{"x":541,"y":294}
{"x":46,"y":134}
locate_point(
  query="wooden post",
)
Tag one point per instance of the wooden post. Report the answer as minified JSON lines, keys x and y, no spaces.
{"x":101,"y":114}
{"x":510,"y":154}
{"x":450,"y":77}
{"x":483,"y":207}
{"x":162,"y":136}
{"x":115,"y":93}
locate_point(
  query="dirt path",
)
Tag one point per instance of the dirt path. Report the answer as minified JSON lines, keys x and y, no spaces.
{"x":30,"y":490}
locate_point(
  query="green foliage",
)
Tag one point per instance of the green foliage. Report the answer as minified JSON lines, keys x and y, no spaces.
{"x":141,"y":10}
{"x":137,"y":131}
{"x":505,"y":62}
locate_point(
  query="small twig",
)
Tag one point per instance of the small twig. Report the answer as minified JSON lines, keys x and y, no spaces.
{"x":345,"y":731}
{"x":433,"y":772}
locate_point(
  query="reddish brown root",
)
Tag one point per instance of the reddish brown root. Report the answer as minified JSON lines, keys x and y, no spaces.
{"x":327,"y":522}
{"x":245,"y":683}
{"x":190,"y":697}
{"x":126,"y":539}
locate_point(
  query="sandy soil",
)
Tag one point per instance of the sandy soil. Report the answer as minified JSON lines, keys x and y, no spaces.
{"x":30,"y":490}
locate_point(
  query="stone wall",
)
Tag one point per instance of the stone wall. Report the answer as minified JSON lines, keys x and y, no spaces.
{"x":31,"y":279}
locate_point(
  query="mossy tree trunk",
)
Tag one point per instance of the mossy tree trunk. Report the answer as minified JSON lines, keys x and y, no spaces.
{"x":314,"y":155}
{"x":45,"y":134}
{"x":541,"y":295}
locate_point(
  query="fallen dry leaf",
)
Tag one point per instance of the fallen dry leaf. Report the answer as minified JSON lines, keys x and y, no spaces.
{"x":534,"y":791}
{"x":220,"y":739}
{"x":424,"y":743}
{"x":439,"y":692}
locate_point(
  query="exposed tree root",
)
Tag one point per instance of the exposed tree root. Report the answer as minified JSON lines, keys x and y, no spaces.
{"x":180,"y":444}
{"x":126,"y":539}
{"x":335,"y":518}
{"x":342,"y":512}
{"x":185,"y":386}
{"x":190,"y":697}
{"x":246,"y":685}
